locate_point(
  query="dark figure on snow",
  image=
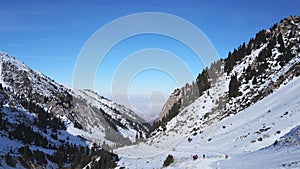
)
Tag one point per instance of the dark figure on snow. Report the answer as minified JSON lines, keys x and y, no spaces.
{"x":195,"y":157}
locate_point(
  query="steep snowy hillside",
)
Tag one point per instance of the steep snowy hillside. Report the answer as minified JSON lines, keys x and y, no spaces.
{"x":237,"y":106}
{"x":268,"y":61}
{"x":250,"y":130}
{"x":40,"y":114}
{"x":284,"y":153}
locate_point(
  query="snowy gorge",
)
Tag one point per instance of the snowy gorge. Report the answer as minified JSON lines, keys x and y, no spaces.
{"x":242,"y":112}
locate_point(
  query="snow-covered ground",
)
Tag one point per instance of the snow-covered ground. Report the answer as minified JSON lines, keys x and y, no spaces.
{"x":242,"y":137}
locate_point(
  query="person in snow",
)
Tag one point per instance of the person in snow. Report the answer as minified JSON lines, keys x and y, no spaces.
{"x":195,"y":157}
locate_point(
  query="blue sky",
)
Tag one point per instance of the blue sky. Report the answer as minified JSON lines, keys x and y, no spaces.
{"x":48,"y":35}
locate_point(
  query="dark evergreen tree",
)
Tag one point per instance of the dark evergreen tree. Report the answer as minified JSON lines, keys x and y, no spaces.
{"x":26,"y":152}
{"x":229,"y":63}
{"x":260,"y":38}
{"x":40,"y":157}
{"x":289,"y":55}
{"x":203,"y":81}
{"x":273,"y":28}
{"x":241,"y":53}
{"x":250,"y":46}
{"x":281,"y":60}
{"x":234,"y":86}
{"x":10,"y":160}
{"x":264,"y":54}
{"x":281,"y":43}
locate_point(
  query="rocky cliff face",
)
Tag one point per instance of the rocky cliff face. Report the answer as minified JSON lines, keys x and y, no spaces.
{"x":174,"y":98}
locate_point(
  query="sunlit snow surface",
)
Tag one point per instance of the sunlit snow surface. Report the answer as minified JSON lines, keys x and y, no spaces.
{"x":242,"y":139}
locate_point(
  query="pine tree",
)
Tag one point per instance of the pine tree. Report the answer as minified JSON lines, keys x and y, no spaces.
{"x":229,"y":63}
{"x":281,"y":60}
{"x":274,"y":27}
{"x":250,"y":46}
{"x":260,"y":38}
{"x":281,"y":43}
{"x":289,"y":55}
{"x":264,"y":54}
{"x":234,"y":86}
{"x":242,"y":51}
{"x":26,"y":152}
{"x":10,"y":161}
{"x":272,"y":43}
{"x":202,"y":81}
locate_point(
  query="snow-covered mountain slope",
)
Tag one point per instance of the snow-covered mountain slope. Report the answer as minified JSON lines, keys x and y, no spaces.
{"x":57,"y":115}
{"x":81,"y":107}
{"x":284,"y":153}
{"x":262,"y":70}
{"x":249,"y":100}
{"x":250,"y":130}
{"x":257,"y":74}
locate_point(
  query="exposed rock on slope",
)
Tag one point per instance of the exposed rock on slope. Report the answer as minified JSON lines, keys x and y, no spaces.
{"x":40,"y":114}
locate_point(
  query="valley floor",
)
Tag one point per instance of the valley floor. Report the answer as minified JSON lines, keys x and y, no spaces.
{"x":266,"y":158}
{"x":271,"y":157}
